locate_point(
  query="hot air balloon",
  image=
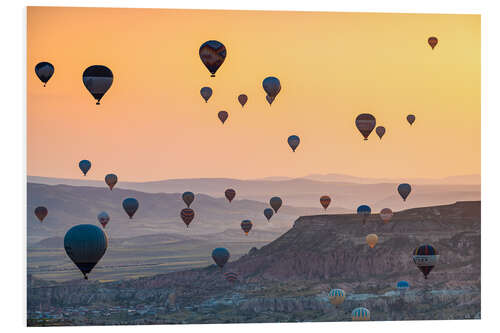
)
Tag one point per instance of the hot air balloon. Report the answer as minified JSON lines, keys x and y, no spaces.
{"x":325,"y":201}
{"x":231,"y":277}
{"x":336,"y":296}
{"x":220,"y":255}
{"x":97,"y":79}
{"x":403,"y":286}
{"x":272,"y":87}
{"x":360,"y":314}
{"x":364,"y":211}
{"x":246,"y":226}
{"x":275,"y":203}
{"x":432,"y":42}
{"x":41,"y":212}
{"x":380,"y":130}
{"x":188,"y":198}
{"x":222,"y":116}
{"x":206,"y":92}
{"x":404,"y":190}
{"x":410,"y":118}
{"x":85,"y":244}
{"x":425,"y":257}
{"x":365,"y":123}
{"x":268,"y":213}
{"x":111,"y":179}
{"x":269,"y":99}
{"x":371,"y":240}
{"x":386,"y":214}
{"x":44,"y":71}
{"x":130,"y":206}
{"x":212,"y":54}
{"x":187,"y":215}
{"x":230,"y":194}
{"x":103,"y":218}
{"x":85,"y":166}
{"x":243,"y":99}
{"x":293,"y":142}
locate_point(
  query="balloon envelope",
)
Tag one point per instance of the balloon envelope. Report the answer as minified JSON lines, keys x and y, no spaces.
{"x":364,"y":211}
{"x":84,"y":165}
{"x":44,"y":71}
{"x":325,"y":201}
{"x":231,"y":277}
{"x":336,"y":296}
{"x":188,"y":198}
{"x":272,"y":86}
{"x":222,"y":116}
{"x":130,"y":205}
{"x":212,"y":54}
{"x":360,"y":314}
{"x":103,"y":219}
{"x":380,"y":130}
{"x":85,"y":244}
{"x":404,"y":190}
{"x":275,"y":203}
{"x":220,"y":255}
{"x":268,"y":213}
{"x":97,"y":79}
{"x":41,"y":212}
{"x":230,"y":194}
{"x":386,"y":214}
{"x":246,"y":226}
{"x":111,"y":179}
{"x":187,"y":215}
{"x":432,"y":42}
{"x":371,"y":240}
{"x":365,"y":123}
{"x":425,"y":258}
{"x":293,"y":142}
{"x":206,"y":92}
{"x":410,"y":118}
{"x":403,"y":285}
{"x":243,"y":99}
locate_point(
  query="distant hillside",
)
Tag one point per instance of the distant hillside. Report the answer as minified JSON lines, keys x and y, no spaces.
{"x":302,"y":192}
{"x":452,"y":180}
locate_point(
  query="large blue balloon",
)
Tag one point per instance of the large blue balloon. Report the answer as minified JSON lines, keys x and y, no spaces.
{"x":272,"y":86}
{"x":97,"y":79}
{"x":85,"y":166}
{"x":85,"y":244}
{"x":404,"y":190}
{"x":220,"y":255}
{"x":130,"y":206}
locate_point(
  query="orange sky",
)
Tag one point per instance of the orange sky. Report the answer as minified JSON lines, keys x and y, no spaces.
{"x":153,"y":124}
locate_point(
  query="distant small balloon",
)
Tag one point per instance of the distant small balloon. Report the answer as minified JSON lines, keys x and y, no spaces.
{"x":365,"y":123}
{"x":293,"y":142}
{"x":212,"y":54}
{"x":410,"y":118}
{"x":242,"y":99}
{"x":386,"y":214}
{"x":231,"y":277}
{"x":188,"y":198}
{"x":336,"y":296}
{"x":223,"y":116}
{"x":268,"y":213}
{"x":275,"y":203}
{"x":272,"y":86}
{"x":103,"y":219}
{"x":130,"y":205}
{"x":360,"y":314}
{"x":230,"y":194}
{"x":84,"y":166}
{"x":425,"y":258}
{"x":246,"y":226}
{"x":432,"y":42}
{"x":44,"y":71}
{"x":403,"y":286}
{"x":371,"y":240}
{"x":404,"y":190}
{"x":220,"y":255}
{"x":41,"y":212}
{"x":364,"y":211}
{"x":325,"y":201}
{"x":187,"y":215}
{"x":380,"y":130}
{"x":97,"y":79}
{"x":111,"y":179}
{"x":206,"y":92}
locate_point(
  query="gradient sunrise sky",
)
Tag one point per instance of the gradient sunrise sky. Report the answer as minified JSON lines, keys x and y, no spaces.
{"x":153,"y":124}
